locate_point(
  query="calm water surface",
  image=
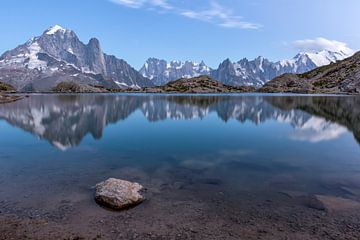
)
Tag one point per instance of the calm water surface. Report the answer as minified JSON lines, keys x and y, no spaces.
{"x":55,"y":148}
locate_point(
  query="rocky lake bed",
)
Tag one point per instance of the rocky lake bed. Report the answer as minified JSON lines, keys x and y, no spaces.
{"x":185,"y":211}
{"x":181,"y":209}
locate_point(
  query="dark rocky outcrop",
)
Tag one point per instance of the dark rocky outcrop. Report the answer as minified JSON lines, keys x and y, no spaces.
{"x":201,"y":84}
{"x":72,"y":87}
{"x":4,"y":87}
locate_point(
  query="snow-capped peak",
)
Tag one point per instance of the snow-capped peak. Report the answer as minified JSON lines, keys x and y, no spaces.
{"x":319,"y":58}
{"x":52,"y":30}
{"x":325,"y":57}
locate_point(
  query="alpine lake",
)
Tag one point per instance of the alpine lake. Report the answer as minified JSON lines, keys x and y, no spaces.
{"x":236,"y":166}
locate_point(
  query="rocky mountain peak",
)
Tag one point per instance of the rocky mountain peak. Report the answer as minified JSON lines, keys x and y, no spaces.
{"x":58,"y":55}
{"x":226,"y":63}
{"x":202,"y":63}
{"x":94,"y":42}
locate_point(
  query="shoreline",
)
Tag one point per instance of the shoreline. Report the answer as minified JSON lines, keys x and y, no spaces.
{"x":184,"y":93}
{"x":8,"y":98}
{"x":16,"y":96}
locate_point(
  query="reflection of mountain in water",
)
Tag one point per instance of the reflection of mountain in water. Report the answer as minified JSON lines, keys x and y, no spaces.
{"x":64,"y":120}
{"x":343,"y":110}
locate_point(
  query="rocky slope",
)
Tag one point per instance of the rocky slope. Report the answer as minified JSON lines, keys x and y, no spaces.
{"x":58,"y":55}
{"x":201,"y":84}
{"x":4,"y":87}
{"x":339,"y":77}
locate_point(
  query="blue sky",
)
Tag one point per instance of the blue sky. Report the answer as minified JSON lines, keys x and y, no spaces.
{"x":209,"y":30}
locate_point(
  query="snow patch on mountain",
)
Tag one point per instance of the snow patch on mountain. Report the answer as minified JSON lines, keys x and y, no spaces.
{"x":34,"y":61}
{"x":54,"y":29}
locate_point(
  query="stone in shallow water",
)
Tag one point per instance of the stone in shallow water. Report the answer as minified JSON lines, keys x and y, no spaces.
{"x":329,"y":203}
{"x":332,"y":203}
{"x":311,"y":201}
{"x":118,"y":194}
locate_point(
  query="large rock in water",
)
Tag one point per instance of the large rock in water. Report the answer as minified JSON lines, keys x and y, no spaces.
{"x":118,"y":194}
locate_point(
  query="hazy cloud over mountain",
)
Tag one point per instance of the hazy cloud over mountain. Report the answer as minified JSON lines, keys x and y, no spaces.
{"x":320,"y":44}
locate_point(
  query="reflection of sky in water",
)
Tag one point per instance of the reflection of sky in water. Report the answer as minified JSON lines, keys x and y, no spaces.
{"x":318,"y":129}
{"x":65,"y":120}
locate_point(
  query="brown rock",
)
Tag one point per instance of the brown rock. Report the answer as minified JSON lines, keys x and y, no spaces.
{"x":118,"y":194}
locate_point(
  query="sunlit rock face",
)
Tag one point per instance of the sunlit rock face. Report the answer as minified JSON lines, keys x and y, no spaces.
{"x":64,"y":120}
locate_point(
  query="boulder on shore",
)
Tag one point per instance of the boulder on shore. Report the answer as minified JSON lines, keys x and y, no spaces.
{"x":118,"y":194}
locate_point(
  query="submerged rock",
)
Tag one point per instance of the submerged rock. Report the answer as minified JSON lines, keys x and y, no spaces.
{"x":329,"y":203}
{"x":118,"y":194}
{"x":312,"y":201}
{"x":332,"y":203}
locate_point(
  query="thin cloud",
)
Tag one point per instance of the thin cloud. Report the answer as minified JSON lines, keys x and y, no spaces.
{"x":130,"y":3}
{"x":214,"y":14}
{"x":320,"y":44}
{"x":163,"y":4}
{"x":220,"y":16}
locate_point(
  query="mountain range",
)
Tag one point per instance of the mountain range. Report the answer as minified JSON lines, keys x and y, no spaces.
{"x":242,"y":73}
{"x":58,"y":55}
{"x":161,"y":72}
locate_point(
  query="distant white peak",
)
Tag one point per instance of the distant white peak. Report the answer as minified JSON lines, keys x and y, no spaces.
{"x":54,"y":29}
{"x":319,"y":58}
{"x":325,"y":57}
